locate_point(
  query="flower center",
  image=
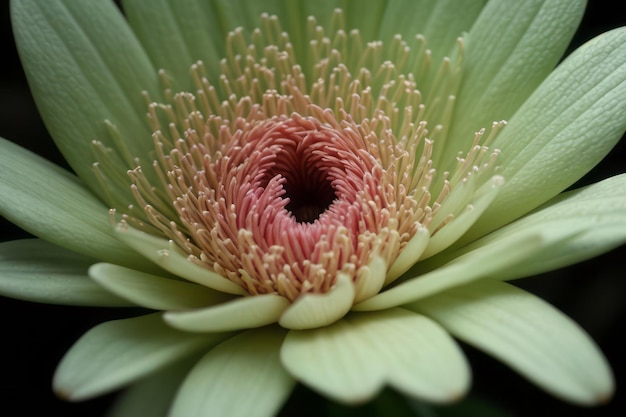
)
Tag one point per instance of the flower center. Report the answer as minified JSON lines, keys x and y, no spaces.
{"x":281,"y":178}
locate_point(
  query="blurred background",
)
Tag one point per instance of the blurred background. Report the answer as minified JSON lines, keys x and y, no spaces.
{"x":34,"y":337}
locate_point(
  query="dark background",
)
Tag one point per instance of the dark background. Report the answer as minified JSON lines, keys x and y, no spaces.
{"x":33,"y":337}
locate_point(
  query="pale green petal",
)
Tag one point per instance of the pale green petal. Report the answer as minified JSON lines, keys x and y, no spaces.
{"x":153,"y":291}
{"x":510,"y":49}
{"x":598,"y":211}
{"x":200,"y":29}
{"x":35,"y":270}
{"x":201,"y":26}
{"x":565,"y":128}
{"x":484,"y":261}
{"x":116,"y":353}
{"x":411,"y":253}
{"x":350,"y":361}
{"x":152,"y":396}
{"x":440,"y":21}
{"x":239,"y":313}
{"x":316,"y":310}
{"x":169,"y":257}
{"x":49,"y":202}
{"x":240,"y":377}
{"x":526,"y":333}
{"x":84,"y":65}
{"x":176,"y":34}
{"x":557,"y":235}
{"x":370,"y":278}
{"x":460,"y":224}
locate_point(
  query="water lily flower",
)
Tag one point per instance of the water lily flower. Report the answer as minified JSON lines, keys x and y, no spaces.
{"x":322,"y":193}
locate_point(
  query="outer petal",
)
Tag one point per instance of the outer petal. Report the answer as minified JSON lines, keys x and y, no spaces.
{"x":115,"y":353}
{"x":440,"y":21}
{"x":165,"y":254}
{"x":599,"y":210}
{"x":571,"y":121}
{"x":511,"y":48}
{"x":240,"y":377}
{"x":152,"y":291}
{"x":574,"y":226}
{"x":49,"y":202}
{"x":476,"y":264}
{"x":152,"y":396}
{"x":176,"y":34}
{"x":351,"y":360}
{"x":35,"y":270}
{"x":199,"y":23}
{"x":83,"y":66}
{"x":239,"y":313}
{"x":526,"y":333}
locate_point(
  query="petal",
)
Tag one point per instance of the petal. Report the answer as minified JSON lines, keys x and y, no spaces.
{"x":152,"y":291}
{"x":572,"y":120}
{"x":177,"y":34}
{"x":240,"y":377}
{"x":165,"y":254}
{"x":84,"y":65}
{"x":152,"y":396}
{"x":476,"y":264}
{"x":452,"y":231}
{"x":370,"y":278}
{"x":239,"y":313}
{"x":201,"y":27}
{"x":316,"y":310}
{"x":351,"y":360}
{"x":598,"y":211}
{"x":411,"y":253}
{"x":115,"y":353}
{"x":35,"y":270}
{"x":511,"y":48}
{"x":441,"y":22}
{"x":526,"y":333}
{"x":49,"y":202}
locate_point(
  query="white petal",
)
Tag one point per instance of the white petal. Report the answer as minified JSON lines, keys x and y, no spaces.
{"x":152,"y":291}
{"x":240,"y":377}
{"x":526,"y":333}
{"x":115,"y":353}
{"x":316,"y":310}
{"x":351,"y":360}
{"x":239,"y":313}
{"x":35,"y":270}
{"x":165,"y":254}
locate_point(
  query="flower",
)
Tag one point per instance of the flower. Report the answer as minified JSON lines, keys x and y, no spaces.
{"x":305,"y":198}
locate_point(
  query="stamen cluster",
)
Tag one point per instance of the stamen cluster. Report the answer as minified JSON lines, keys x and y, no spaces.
{"x":280,"y":182}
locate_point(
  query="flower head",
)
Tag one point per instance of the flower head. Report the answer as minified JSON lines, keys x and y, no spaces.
{"x":303,"y":196}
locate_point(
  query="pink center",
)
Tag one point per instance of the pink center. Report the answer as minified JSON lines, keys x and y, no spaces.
{"x":288,"y":203}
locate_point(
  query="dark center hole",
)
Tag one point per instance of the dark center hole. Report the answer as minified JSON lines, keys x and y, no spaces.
{"x":308,"y":198}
